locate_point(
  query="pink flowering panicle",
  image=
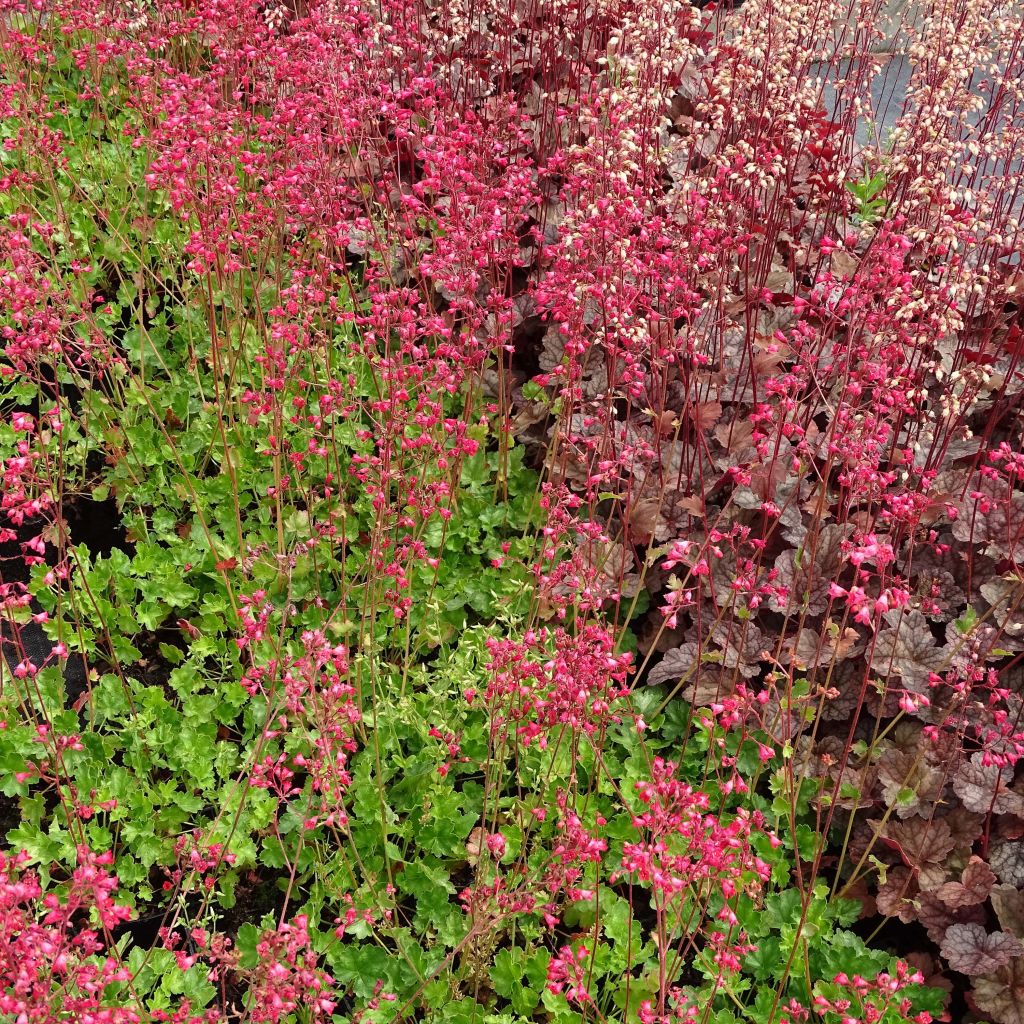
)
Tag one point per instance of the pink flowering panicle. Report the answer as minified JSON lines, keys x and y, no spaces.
{"x":55,"y":957}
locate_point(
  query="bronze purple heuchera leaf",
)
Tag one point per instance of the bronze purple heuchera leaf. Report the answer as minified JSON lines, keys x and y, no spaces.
{"x":938,"y":918}
{"x":675,"y":664}
{"x":974,"y":886}
{"x":941,"y":596}
{"x":1008,"y":903}
{"x":901,"y":771}
{"x":969,"y":949}
{"x":807,"y":571}
{"x":1007,"y":860}
{"x":897,"y":895}
{"x":985,"y":788}
{"x":1001,"y":993}
{"x":909,"y":651}
{"x":965,"y":825}
{"x":920,"y":841}
{"x":1001,"y":527}
{"x":741,"y":647}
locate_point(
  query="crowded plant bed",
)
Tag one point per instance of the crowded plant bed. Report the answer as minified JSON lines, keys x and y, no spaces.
{"x":512,"y":512}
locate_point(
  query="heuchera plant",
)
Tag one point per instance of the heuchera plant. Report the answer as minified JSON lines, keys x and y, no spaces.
{"x":509,"y":512}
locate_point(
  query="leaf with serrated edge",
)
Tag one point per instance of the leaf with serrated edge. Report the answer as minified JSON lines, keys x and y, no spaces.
{"x":985,"y":788}
{"x":1007,"y":861}
{"x":1002,"y":993}
{"x":969,"y":949}
{"x":1008,"y":903}
{"x":974,"y":886}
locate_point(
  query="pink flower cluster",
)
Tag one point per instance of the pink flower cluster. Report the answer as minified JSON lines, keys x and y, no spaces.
{"x":287,"y":977}
{"x":688,"y":847}
{"x":576,"y":691}
{"x":52,"y":962}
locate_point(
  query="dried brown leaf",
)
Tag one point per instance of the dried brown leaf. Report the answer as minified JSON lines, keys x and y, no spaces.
{"x":644,"y":517}
{"x":780,"y":280}
{"x":811,"y":647}
{"x":735,"y":435}
{"x":844,"y":264}
{"x":704,"y":414}
{"x":708,"y":686}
